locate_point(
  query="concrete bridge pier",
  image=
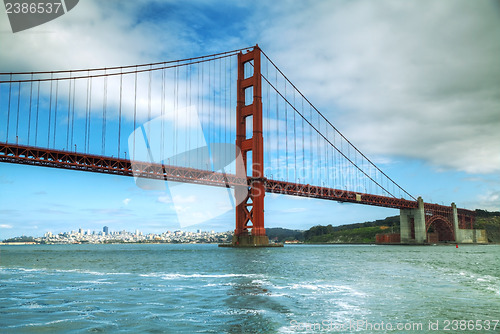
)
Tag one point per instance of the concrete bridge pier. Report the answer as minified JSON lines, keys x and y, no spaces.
{"x":412,"y":224}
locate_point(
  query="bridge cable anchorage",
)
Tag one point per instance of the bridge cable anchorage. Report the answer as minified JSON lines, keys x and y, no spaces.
{"x":329,"y":123}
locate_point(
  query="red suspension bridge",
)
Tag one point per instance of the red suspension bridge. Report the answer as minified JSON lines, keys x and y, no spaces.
{"x":231,"y":119}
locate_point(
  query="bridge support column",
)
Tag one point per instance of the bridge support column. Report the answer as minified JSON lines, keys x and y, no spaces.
{"x":250,"y":231}
{"x":459,"y":237}
{"x":412,"y":224}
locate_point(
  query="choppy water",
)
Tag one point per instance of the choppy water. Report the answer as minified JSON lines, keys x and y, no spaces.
{"x":202,"y":288}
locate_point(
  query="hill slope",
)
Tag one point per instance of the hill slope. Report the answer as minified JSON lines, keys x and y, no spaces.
{"x":365,"y":232}
{"x":489,"y":221}
{"x":352,"y":233}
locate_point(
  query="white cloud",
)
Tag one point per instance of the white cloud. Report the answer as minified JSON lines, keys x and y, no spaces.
{"x":490,"y":201}
{"x":93,"y":34}
{"x":418,"y":79}
{"x":5,"y":226}
{"x":178,"y":199}
{"x":126,"y":201}
{"x":294,"y":210}
{"x":164,"y":199}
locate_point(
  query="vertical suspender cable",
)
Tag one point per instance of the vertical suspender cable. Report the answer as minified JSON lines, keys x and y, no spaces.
{"x":69,"y":109}
{"x":149,"y":103}
{"x":232,"y":108}
{"x":209,"y":134}
{"x":29,"y":115}
{"x":214,"y":111}
{"x":202,"y":114}
{"x":162,"y":111}
{"x":213,"y":106}
{"x":120,"y":113}
{"x":220,"y":102}
{"x":303,"y":149}
{"x":334,"y":162}
{"x":190,"y":95}
{"x":37,"y":110}
{"x":135,"y":114}
{"x":50,"y":110}
{"x":312,"y":167}
{"x":18,"y":104}
{"x":86,"y":115}
{"x":55,"y":114}
{"x":104,"y":112}
{"x":73,"y":115}
{"x":327,"y":170}
{"x":199,"y":111}
{"x":319,"y":151}
{"x":268,"y":127}
{"x":90,"y":117}
{"x":286,"y":134}
{"x":176,"y":107}
{"x":226,"y":147}
{"x":186,"y":105}
{"x":189,"y":105}
{"x":8,"y":109}
{"x":294,"y":140}
{"x":278,"y":153}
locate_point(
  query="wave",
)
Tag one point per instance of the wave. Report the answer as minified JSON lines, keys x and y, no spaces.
{"x":50,"y":271}
{"x":167,"y":276}
{"x":162,"y":275}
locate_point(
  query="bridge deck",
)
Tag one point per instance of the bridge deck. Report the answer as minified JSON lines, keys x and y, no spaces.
{"x":117,"y":166}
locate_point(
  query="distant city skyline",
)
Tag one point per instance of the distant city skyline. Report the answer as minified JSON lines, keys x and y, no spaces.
{"x":97,"y":237}
{"x":416,"y":96}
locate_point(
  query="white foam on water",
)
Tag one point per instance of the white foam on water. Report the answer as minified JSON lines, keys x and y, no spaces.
{"x":64,"y":271}
{"x":179,"y":276}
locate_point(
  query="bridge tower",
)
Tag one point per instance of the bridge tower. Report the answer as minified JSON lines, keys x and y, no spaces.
{"x":250,"y":231}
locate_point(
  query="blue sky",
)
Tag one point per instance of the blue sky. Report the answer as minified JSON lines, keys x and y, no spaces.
{"x":415,"y":85}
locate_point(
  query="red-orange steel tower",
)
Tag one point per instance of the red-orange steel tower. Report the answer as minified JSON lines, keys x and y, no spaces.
{"x":250,"y":229}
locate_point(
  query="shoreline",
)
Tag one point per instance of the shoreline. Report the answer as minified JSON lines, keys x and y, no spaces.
{"x":216,"y":243}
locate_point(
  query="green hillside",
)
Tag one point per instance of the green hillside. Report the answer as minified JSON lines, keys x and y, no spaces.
{"x":363,"y":233}
{"x":489,"y":221}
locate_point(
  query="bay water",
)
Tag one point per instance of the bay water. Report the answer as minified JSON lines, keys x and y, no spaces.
{"x":195,"y":288}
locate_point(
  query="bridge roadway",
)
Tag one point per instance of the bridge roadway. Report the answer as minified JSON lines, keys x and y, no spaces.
{"x":29,"y":155}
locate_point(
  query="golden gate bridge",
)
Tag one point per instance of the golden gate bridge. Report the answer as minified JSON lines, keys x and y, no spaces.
{"x":231,"y":119}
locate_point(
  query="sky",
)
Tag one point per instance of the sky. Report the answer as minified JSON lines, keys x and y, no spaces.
{"x":415,"y":85}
